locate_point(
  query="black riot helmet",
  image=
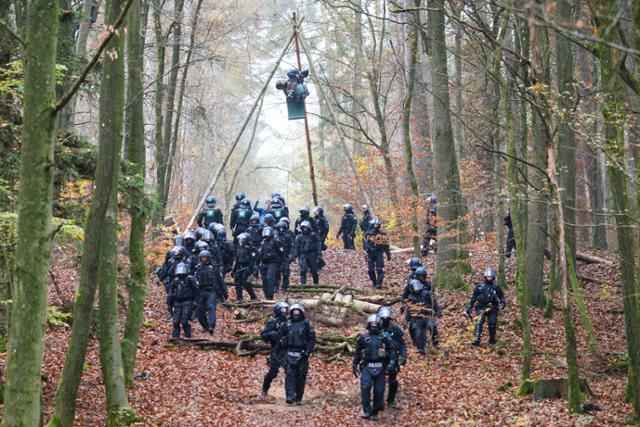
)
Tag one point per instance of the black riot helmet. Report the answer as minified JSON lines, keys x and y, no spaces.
{"x":414,"y":263}
{"x":177,"y":252}
{"x":348,"y":208}
{"x":373,"y":323}
{"x":269,"y":219}
{"x":181,"y":269}
{"x":376,"y":223}
{"x":296,"y":312}
{"x":385,"y":314}
{"x":205,"y":257}
{"x":319,"y":210}
{"x":281,"y":310}
{"x":255,"y":219}
{"x":281,"y":226}
{"x":240,"y":196}
{"x":178,"y":240}
{"x":267,"y":233}
{"x":189,"y":237}
{"x":245,"y":203}
{"x":490,"y":274}
{"x":243,"y":238}
{"x":199,"y":232}
{"x":305,"y":227}
{"x":201,"y":245}
{"x":421,"y":273}
{"x":304,"y":210}
{"x":211,"y":202}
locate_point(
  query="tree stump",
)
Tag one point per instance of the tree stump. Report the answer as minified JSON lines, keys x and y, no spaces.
{"x":556,"y":388}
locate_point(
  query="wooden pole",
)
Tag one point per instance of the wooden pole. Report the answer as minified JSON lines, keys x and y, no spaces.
{"x":312,"y":174}
{"x":214,"y":181}
{"x":316,"y":77}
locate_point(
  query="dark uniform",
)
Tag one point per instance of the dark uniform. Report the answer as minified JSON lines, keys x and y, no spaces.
{"x":209,"y":216}
{"x":421,"y":309}
{"x":285,"y":239}
{"x":394,"y":333}
{"x":419,"y":274}
{"x":210,"y":289}
{"x":182,"y":293}
{"x":246,"y":259}
{"x":308,"y":250}
{"x":431,"y":231}
{"x":269,"y":255}
{"x":374,"y":354}
{"x":227,"y":250}
{"x":365,"y":222}
{"x":166,"y":273}
{"x":304,"y":216}
{"x":278,"y":209}
{"x":487,"y":299}
{"x":323,"y":226}
{"x":275,"y":333}
{"x":301,"y":340}
{"x":377,"y":246}
{"x":240,"y":218}
{"x":348,"y":226}
{"x":511,"y":238}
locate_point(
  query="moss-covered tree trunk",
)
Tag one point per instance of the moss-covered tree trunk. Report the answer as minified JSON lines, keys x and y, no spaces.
{"x":614,"y":121}
{"x":574,"y":395}
{"x":537,"y":156}
{"x":452,"y":260}
{"x":137,"y":208}
{"x":566,"y":135}
{"x":23,"y":392}
{"x":99,"y":259}
{"x":414,"y":35}
{"x":161,"y":160}
{"x":110,"y":142}
{"x":515,"y":188}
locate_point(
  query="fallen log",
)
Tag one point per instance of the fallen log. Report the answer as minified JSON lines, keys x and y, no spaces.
{"x":590,"y":259}
{"x":249,"y":347}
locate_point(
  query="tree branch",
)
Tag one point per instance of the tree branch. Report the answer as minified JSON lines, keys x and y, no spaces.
{"x":13,"y":33}
{"x":111,"y":31}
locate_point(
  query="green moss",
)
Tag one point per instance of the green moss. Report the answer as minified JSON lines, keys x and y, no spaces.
{"x":526,"y":387}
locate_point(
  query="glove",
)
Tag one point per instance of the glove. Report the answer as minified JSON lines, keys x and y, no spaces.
{"x":466,"y":313}
{"x":403,"y":361}
{"x":388,"y":257}
{"x":225,"y":296}
{"x":356,"y":371}
{"x":391,"y":367}
{"x":503,"y":305}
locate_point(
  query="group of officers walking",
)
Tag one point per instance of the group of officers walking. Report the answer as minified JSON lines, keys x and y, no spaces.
{"x":381,"y":350}
{"x":263,"y":243}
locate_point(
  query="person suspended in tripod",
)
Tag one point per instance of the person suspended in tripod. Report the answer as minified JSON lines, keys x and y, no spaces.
{"x":290,"y":86}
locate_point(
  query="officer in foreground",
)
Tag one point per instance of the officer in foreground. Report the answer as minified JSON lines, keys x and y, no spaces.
{"x":274,"y":333}
{"x":394,"y":332}
{"x":300,"y":341}
{"x":374,"y":355}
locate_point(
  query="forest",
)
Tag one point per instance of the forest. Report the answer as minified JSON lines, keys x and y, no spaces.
{"x":407,"y":157}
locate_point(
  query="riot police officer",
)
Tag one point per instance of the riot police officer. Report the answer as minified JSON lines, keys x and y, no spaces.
{"x":421,"y":275}
{"x":209,"y":214}
{"x":431,"y":231}
{"x":246,"y":258}
{"x":189,"y":242}
{"x":166,"y":273}
{"x":421,"y":309}
{"x":487,"y":299}
{"x":394,"y":332}
{"x":365,"y":222}
{"x":278,"y":209}
{"x":285,"y":240}
{"x":240,"y":217}
{"x":374,"y":354}
{"x":210,"y":290}
{"x":308,"y":250}
{"x":275,"y":333}
{"x":376,"y":245}
{"x":323,"y":225}
{"x":304,"y":216}
{"x":348,"y":226}
{"x":269,"y":256}
{"x":227,"y":250}
{"x":300,"y":340}
{"x":182,"y":292}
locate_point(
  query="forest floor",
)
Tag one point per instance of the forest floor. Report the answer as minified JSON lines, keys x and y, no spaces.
{"x":457,"y":384}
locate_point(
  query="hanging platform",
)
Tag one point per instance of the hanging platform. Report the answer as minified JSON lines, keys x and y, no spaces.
{"x":295,"y":107}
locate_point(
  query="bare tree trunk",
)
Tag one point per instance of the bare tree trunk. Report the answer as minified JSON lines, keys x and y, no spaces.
{"x":566,"y":135}
{"x":171,"y":95}
{"x":453,"y":227}
{"x":161,"y":159}
{"x":23,"y":392}
{"x":413,"y":37}
{"x":537,"y":230}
